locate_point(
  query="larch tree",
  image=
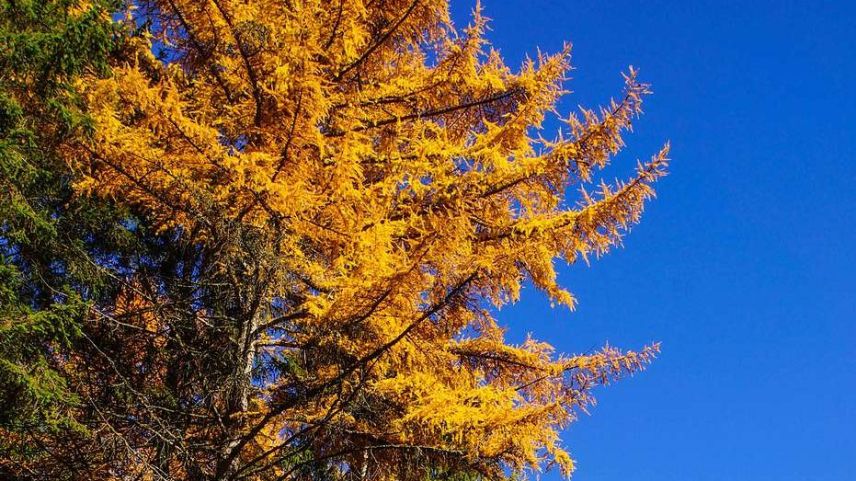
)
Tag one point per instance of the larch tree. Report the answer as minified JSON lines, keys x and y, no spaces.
{"x":327,"y":201}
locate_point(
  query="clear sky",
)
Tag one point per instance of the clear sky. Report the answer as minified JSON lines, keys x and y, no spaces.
{"x":743,"y":266}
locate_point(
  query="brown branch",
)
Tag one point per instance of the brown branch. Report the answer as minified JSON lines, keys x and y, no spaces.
{"x":251,"y":73}
{"x":332,"y":38}
{"x":445,"y":110}
{"x":202,"y":52}
{"x":434,"y":112}
{"x":377,"y":44}
{"x":277,"y":410}
{"x":494,"y":357}
{"x":284,"y":157}
{"x":285,"y":318}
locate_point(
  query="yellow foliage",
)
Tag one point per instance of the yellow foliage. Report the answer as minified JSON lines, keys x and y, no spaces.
{"x":393,"y":164}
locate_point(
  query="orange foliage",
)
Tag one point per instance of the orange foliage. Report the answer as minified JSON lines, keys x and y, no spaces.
{"x":393,"y":168}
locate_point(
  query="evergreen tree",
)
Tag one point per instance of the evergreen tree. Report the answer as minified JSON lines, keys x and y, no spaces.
{"x":47,"y":233}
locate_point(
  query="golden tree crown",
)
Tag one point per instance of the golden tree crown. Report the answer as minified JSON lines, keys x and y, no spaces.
{"x":394,"y":168}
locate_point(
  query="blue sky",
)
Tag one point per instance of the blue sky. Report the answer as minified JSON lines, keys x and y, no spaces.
{"x":743,"y":266}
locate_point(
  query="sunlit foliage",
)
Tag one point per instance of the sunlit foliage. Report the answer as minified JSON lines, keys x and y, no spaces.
{"x":331,"y":199}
